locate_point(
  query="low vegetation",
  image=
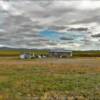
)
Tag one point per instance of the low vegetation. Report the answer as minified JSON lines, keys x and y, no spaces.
{"x":10,"y":53}
{"x":86,"y":54}
{"x":50,"y":79}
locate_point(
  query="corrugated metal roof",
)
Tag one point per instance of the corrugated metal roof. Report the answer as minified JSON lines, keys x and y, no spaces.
{"x":57,"y":50}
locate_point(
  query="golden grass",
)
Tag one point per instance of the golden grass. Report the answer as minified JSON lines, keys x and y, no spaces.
{"x":82,"y":65}
{"x":50,"y":79}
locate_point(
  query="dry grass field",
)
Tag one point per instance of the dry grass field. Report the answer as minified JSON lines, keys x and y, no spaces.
{"x":50,"y":79}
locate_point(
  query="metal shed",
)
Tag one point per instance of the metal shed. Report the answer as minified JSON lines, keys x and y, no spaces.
{"x":60,"y":53}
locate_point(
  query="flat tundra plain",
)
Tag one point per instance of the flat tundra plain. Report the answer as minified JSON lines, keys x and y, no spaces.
{"x":50,"y":79}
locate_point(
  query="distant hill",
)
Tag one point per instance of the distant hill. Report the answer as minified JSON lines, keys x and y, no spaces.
{"x":8,"y":48}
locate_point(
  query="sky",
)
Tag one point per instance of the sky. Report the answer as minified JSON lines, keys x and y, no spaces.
{"x":67,"y":24}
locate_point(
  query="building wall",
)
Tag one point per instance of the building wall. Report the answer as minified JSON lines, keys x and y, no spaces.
{"x":45,"y":55}
{"x":60,"y":54}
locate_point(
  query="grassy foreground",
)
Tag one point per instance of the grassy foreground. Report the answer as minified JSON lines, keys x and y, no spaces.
{"x":50,"y":79}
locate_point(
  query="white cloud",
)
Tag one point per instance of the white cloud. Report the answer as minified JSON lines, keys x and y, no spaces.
{"x":88,"y":5}
{"x":4,"y":5}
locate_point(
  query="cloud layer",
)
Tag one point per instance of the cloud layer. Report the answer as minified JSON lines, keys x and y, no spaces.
{"x":76,"y":24}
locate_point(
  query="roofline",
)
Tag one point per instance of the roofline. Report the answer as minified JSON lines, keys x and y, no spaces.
{"x":60,"y":51}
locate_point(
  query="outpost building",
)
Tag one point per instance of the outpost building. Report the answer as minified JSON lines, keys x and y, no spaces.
{"x":47,"y":54}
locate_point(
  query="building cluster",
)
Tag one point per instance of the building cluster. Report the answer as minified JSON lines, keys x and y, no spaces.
{"x":51,"y":53}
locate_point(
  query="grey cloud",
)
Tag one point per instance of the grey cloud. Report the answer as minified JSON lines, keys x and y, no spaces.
{"x":96,"y":35}
{"x":57,"y":28}
{"x":4,"y":40}
{"x":86,"y":41}
{"x":66,"y":38}
{"x":21,"y":22}
{"x":86,"y":20}
{"x":78,"y":29}
{"x":52,"y":44}
{"x":89,"y":17}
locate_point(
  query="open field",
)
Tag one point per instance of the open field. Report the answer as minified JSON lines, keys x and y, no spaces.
{"x":16,"y":53}
{"x":50,"y":79}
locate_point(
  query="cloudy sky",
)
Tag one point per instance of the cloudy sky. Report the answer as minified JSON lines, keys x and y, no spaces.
{"x":68,"y":24}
